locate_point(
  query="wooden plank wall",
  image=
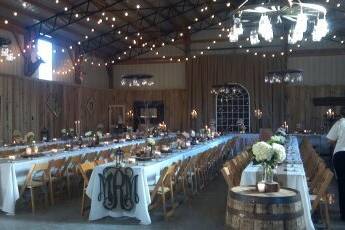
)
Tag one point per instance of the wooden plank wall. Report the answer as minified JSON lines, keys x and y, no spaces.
{"x":24,"y":105}
{"x":278,"y":102}
{"x":300,"y":108}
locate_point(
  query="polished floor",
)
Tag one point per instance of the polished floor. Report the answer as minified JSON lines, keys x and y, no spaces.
{"x":205,"y":211}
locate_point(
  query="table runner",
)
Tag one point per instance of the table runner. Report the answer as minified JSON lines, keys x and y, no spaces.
{"x":13,"y":173}
{"x":291,"y":175}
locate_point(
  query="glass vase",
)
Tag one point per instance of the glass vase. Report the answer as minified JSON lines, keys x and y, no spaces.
{"x":268,"y":174}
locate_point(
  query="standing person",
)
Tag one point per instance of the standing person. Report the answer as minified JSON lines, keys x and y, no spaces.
{"x":337,"y":136}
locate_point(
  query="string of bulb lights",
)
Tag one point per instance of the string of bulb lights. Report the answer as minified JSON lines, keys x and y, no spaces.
{"x":294,"y":38}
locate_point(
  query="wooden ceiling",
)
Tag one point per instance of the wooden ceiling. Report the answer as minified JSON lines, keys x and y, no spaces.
{"x":114,"y":29}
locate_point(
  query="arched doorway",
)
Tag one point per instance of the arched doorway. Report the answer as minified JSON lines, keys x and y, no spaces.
{"x":232,"y":108}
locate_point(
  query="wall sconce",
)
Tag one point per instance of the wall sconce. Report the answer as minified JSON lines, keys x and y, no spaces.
{"x":330,"y":114}
{"x":194,"y":114}
{"x":258,"y":114}
{"x":130,"y":114}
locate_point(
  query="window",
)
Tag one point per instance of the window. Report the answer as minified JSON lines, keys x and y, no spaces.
{"x":45,"y":50}
{"x":233,"y":109}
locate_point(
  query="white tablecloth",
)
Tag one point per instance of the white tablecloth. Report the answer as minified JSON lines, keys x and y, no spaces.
{"x":13,"y":173}
{"x":149,"y":173}
{"x":288,"y":175}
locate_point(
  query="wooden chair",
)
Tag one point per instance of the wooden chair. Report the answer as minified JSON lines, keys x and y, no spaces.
{"x":228,"y":175}
{"x":100,"y":162}
{"x":37,"y":177}
{"x":104,"y":155}
{"x":90,"y":157}
{"x":319,"y":195}
{"x":163,"y":189}
{"x":56,"y":175}
{"x":85,"y":170}
{"x":71,"y":171}
{"x":182,"y":176}
{"x":191,"y":175}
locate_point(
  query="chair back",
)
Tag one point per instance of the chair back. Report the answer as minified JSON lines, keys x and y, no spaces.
{"x":166,"y":179}
{"x":56,"y":167}
{"x":321,"y":187}
{"x":41,"y":168}
{"x":104,"y":155}
{"x":90,"y":157}
{"x":228,"y":175}
{"x":85,"y":170}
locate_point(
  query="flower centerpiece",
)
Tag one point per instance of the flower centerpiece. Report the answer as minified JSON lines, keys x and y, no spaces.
{"x":29,"y":138}
{"x":17,"y":137}
{"x":151,"y":143}
{"x":91,"y":137}
{"x":269,"y":154}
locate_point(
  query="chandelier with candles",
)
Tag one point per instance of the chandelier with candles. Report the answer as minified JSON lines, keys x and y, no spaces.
{"x":137,"y":80}
{"x":302,"y":18}
{"x":5,"y":50}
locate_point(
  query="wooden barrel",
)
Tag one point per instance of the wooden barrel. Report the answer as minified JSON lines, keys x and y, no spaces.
{"x":248,"y":209}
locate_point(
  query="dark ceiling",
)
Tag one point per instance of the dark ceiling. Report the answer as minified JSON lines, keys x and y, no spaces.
{"x":109,"y":28}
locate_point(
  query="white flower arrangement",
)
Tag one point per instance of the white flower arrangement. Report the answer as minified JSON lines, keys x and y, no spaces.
{"x":279,"y":151}
{"x":262,"y":151}
{"x":192,"y":133}
{"x":185,"y":135}
{"x":278,"y":139}
{"x":269,"y":154}
{"x":281,"y":131}
{"x":150,"y":142}
{"x":88,"y":134}
{"x":63,"y":131}
{"x":99,"y":134}
{"x":29,"y":138}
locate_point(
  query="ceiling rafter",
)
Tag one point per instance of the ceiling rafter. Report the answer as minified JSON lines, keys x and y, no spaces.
{"x":183,"y":17}
{"x":203,"y":24}
{"x":33,"y":15}
{"x":172,"y":22}
{"x":65,"y":18}
{"x":103,"y":40}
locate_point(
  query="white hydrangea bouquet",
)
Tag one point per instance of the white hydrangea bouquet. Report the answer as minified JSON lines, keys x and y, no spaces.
{"x":278,"y":139}
{"x":269,"y":155}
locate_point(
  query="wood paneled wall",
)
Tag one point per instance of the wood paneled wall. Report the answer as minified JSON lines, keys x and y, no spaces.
{"x":278,"y":102}
{"x":24,"y":105}
{"x":300,"y":108}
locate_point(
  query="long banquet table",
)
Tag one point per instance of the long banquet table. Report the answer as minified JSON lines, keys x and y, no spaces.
{"x":290,"y":174}
{"x":148,"y":174}
{"x":13,"y":172}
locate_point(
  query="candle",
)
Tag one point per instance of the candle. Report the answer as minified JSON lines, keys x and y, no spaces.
{"x":28,"y":151}
{"x":261,"y":187}
{"x":12,"y":157}
{"x":131,"y":160}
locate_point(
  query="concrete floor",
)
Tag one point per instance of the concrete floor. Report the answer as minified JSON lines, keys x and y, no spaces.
{"x":205,"y":211}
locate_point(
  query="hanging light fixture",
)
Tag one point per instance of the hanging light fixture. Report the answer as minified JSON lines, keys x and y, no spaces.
{"x":5,"y":51}
{"x":292,"y":76}
{"x":137,"y":80}
{"x":265,"y":28}
{"x":299,"y":29}
{"x":254,"y":37}
{"x":236,"y":30}
{"x":320,"y":29}
{"x":275,"y":14}
{"x":226,"y":90}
